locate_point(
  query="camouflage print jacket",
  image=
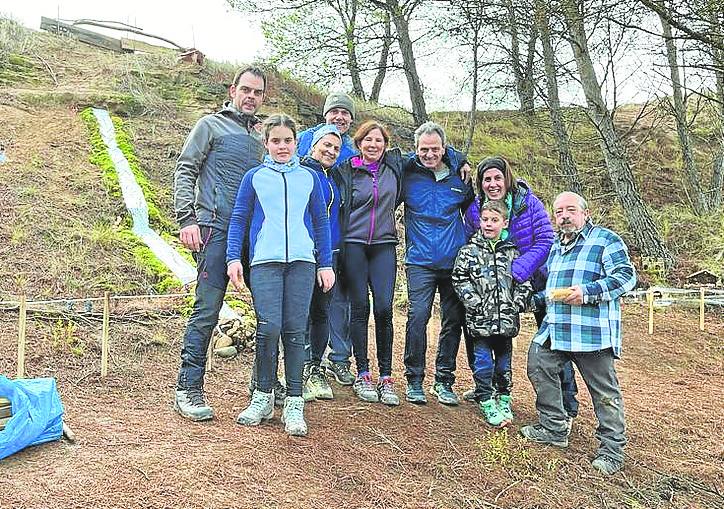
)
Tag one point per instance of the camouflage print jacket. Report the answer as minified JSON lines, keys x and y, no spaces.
{"x":483,"y":280}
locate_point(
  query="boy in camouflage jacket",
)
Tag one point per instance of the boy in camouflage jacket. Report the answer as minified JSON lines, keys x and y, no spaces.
{"x":493,"y":302}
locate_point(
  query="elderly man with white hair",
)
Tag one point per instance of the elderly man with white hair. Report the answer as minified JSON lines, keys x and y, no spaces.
{"x":588,"y":271}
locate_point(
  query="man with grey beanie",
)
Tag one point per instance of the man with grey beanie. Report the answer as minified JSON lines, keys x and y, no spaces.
{"x":339,"y":110}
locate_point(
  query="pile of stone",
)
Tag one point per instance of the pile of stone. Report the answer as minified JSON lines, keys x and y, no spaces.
{"x":234,"y":336}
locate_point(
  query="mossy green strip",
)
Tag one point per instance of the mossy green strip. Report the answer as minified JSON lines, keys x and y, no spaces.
{"x":142,"y":255}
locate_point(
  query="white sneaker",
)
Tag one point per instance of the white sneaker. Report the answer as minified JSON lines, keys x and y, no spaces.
{"x":293,"y":416}
{"x":261,"y":407}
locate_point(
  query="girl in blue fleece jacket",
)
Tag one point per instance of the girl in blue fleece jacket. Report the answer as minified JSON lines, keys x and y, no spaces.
{"x":280,"y":207}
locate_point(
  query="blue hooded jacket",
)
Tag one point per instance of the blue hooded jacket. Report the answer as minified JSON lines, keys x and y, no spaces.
{"x":282,"y":209}
{"x":331,"y":198}
{"x":434,"y":230}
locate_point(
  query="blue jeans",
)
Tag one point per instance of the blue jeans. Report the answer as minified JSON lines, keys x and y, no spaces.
{"x":281,"y":293}
{"x":492,"y":366}
{"x":318,"y":329}
{"x":340,"y":343}
{"x":422,"y":282}
{"x":211,"y":285}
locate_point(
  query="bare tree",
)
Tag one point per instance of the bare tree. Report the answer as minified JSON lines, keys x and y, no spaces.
{"x":401,"y":12}
{"x":565,"y":156}
{"x":641,"y":224}
{"x":516,"y":17}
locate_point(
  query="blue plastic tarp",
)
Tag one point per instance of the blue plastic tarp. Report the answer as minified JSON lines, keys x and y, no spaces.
{"x":37,"y":413}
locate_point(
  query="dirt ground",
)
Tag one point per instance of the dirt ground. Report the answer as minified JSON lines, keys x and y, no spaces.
{"x":132,"y":450}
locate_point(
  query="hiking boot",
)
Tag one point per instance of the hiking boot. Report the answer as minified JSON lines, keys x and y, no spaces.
{"x":505,"y":402}
{"x":364,"y":389}
{"x":307,"y":390}
{"x":469,"y":396}
{"x":293,"y":416}
{"x":341,"y":373}
{"x":606,"y":464}
{"x":191,"y":404}
{"x":444,"y":393}
{"x":492,"y":415}
{"x":318,"y":385}
{"x":280,"y":391}
{"x":261,"y":407}
{"x":415,"y":393}
{"x":386,"y":389}
{"x":538,"y":434}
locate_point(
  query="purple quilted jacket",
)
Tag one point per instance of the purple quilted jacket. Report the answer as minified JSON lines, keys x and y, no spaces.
{"x":530,"y":230}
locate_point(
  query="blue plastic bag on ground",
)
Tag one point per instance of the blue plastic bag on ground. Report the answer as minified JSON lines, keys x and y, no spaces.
{"x":37,"y":413}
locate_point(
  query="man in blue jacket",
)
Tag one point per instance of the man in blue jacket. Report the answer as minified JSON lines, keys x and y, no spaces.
{"x":339,"y":110}
{"x":436,"y":197}
{"x":218,"y":151}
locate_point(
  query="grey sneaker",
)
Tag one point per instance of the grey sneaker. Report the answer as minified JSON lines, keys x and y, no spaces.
{"x":293,"y":416}
{"x":606,"y":464}
{"x":261,"y":408}
{"x":318,"y":385}
{"x":280,"y":391}
{"x":307,"y":390}
{"x":341,"y":373}
{"x":415,"y":393}
{"x":538,"y":434}
{"x":364,"y":389}
{"x":469,"y":396}
{"x":191,"y":404}
{"x":444,"y":393}
{"x":386,"y":390}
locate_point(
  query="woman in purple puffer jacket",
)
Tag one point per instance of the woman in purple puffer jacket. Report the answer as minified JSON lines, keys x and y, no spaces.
{"x":531,"y":231}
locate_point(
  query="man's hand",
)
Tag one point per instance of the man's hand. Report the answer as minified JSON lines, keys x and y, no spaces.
{"x":190,"y":237}
{"x":236,"y":273}
{"x":466,"y":173}
{"x":325,"y":279}
{"x":575,"y":298}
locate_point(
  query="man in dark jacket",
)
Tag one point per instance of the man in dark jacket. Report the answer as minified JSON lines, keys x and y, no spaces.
{"x":435,"y":197}
{"x":216,"y":154}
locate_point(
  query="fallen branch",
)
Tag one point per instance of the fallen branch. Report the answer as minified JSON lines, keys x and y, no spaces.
{"x":124,"y":28}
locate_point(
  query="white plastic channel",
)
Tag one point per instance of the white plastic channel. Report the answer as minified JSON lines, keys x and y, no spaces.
{"x":138,"y":208}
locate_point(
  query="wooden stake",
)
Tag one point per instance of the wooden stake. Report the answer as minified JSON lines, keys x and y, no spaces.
{"x":104,"y":336}
{"x":701,"y":308}
{"x":21,"y":336}
{"x":650,"y":300}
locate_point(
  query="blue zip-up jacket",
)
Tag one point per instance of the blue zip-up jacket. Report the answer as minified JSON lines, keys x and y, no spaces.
{"x":331,"y":198}
{"x":282,"y":209}
{"x":434,"y":230}
{"x":346,"y":150}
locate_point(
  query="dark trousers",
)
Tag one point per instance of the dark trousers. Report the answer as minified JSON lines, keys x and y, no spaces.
{"x":340,"y":343}
{"x":281,"y":293}
{"x":318,"y":330}
{"x":211,"y":285}
{"x":422,"y":283}
{"x":492,"y":368}
{"x":599,"y":374}
{"x":372,"y":266}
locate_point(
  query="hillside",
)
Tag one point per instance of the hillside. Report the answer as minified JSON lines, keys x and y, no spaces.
{"x":64,"y":234}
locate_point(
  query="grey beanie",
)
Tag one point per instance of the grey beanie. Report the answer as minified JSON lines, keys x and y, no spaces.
{"x":339,"y":100}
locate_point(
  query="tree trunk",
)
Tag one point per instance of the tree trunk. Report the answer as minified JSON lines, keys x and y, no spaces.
{"x":565,"y":157}
{"x":693,"y":177}
{"x":419,"y":110}
{"x":717,"y":178}
{"x":474,"y":102}
{"x":384,"y":54}
{"x":641,"y":225}
{"x":348,"y":15}
{"x":523,"y":82}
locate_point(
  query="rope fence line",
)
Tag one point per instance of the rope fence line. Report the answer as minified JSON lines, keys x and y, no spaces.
{"x":665,"y":296}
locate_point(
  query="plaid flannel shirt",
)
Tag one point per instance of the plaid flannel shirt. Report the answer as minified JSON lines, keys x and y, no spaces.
{"x":596,"y":260}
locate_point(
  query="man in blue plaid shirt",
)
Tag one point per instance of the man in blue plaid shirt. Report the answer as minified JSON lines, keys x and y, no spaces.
{"x":588,"y":271}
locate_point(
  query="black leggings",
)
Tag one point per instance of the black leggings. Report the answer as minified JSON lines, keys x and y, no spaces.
{"x":374,"y":266}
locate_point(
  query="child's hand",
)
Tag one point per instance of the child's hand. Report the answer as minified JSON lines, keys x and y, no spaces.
{"x":325,"y":279}
{"x":236,"y":274}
